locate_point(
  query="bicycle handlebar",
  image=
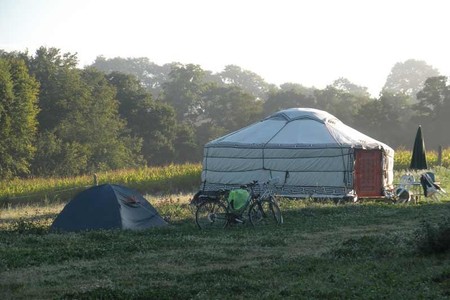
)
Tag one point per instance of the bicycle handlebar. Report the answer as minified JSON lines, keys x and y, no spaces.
{"x":274,"y":181}
{"x":249,"y":185}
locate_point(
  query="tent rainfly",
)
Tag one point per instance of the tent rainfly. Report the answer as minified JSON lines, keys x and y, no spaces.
{"x":107,"y":206}
{"x":311,"y":151}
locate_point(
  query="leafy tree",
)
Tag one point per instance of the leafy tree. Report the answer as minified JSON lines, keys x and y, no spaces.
{"x":345,"y":85}
{"x":206,"y":132}
{"x":98,"y":124}
{"x":408,"y":77}
{"x":56,"y":157}
{"x":152,"y":121}
{"x":387,"y":119}
{"x":61,"y":97}
{"x":18,"y":111}
{"x":131,"y":95}
{"x":340,"y":103}
{"x":186,"y":147}
{"x":298,"y":88}
{"x":433,"y":98}
{"x":230,"y":108}
{"x":288,"y":96}
{"x":184,"y":91}
{"x":433,"y":109}
{"x":158,"y":131}
{"x":80,"y":128}
{"x":226,"y":108}
{"x":151,"y":75}
{"x":59,"y":83}
{"x":248,"y":81}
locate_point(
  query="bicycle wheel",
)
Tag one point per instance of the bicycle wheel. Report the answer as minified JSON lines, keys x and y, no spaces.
{"x":211,"y":214}
{"x":265,"y":212}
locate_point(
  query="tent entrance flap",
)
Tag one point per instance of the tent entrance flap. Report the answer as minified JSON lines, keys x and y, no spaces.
{"x":368,"y":173}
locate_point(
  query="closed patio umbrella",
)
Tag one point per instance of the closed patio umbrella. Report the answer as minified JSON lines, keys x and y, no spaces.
{"x":419,"y":159}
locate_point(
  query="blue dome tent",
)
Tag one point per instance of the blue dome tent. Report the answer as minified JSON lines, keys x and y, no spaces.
{"x":107,"y":206}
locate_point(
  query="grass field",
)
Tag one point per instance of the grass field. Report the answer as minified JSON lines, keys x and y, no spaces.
{"x":366,"y":250}
{"x":369,"y":250}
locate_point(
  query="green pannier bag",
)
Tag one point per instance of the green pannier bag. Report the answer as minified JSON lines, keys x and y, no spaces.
{"x":238,"y":198}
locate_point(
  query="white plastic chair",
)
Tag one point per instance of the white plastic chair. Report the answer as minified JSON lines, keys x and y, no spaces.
{"x":403,"y":192}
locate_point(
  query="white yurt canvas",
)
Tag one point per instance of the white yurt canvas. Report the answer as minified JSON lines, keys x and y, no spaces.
{"x":309,"y":150}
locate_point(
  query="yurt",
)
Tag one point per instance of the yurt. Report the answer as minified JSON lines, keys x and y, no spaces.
{"x":310,"y":151}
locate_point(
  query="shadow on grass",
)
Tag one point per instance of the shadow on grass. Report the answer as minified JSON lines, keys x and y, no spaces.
{"x":29,"y":218}
{"x":41,"y":198}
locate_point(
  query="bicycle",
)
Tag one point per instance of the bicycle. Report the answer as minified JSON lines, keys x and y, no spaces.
{"x":260,"y":209}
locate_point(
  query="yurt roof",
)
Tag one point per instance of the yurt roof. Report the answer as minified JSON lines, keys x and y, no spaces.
{"x":298,"y":127}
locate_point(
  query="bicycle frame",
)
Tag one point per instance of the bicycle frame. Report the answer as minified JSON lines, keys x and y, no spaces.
{"x":216,"y":210}
{"x":267,"y":192}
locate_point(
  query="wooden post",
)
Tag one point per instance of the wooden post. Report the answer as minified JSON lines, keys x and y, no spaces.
{"x":95,"y":179}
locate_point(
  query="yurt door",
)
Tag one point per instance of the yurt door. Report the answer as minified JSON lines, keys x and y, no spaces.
{"x":368,"y":173}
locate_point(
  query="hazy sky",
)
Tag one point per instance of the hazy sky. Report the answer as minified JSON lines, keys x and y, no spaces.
{"x":311,"y":42}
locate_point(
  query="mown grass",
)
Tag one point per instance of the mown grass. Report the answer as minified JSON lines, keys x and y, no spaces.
{"x":369,"y":250}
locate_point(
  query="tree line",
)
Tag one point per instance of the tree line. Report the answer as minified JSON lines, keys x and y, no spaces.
{"x":57,"y":119}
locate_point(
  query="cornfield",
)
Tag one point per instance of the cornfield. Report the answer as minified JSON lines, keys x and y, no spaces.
{"x":164,"y":180}
{"x":402,"y":159}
